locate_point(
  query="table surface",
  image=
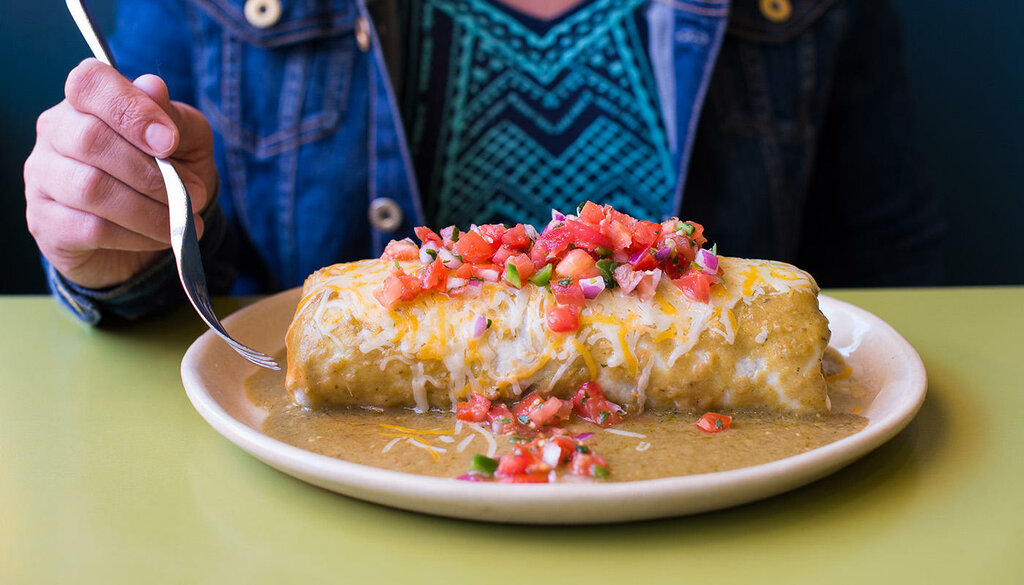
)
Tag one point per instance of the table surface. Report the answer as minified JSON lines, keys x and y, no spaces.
{"x":108,"y":474}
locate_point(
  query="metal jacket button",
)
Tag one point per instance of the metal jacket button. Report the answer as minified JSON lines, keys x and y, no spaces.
{"x":263,"y":13}
{"x":776,"y":10}
{"x":385,"y":214}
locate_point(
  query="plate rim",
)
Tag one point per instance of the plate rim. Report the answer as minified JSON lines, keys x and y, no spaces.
{"x":432,"y":494}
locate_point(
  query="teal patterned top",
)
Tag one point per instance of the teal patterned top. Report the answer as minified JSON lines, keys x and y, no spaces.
{"x":509,"y":116}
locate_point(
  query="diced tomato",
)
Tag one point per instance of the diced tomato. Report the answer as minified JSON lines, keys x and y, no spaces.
{"x":612,"y":214}
{"x":646,"y":261}
{"x":591,"y":404}
{"x":587,"y":236}
{"x":390,"y":292}
{"x":526,"y":478}
{"x":494,"y":231}
{"x":503,"y":254}
{"x":567,"y":292}
{"x":411,"y":286}
{"x":475,"y":409}
{"x":592,"y":213}
{"x":712,"y":422}
{"x":539,"y":254}
{"x":521,"y":460}
{"x":501,"y":419}
{"x":551,"y":411}
{"x":563,"y":318}
{"x":527,"y":404}
{"x":523,"y":265}
{"x":473,"y":248}
{"x":401,"y":250}
{"x":426,"y":234}
{"x":398,"y":287}
{"x":567,"y":445}
{"x":435,"y":276}
{"x":553,"y":242}
{"x":465,"y":271}
{"x":695,"y":285}
{"x":577,"y":264}
{"x":586,"y":464}
{"x":645,"y":234}
{"x":516,"y":238}
{"x":698,"y":234}
{"x":617,"y":233}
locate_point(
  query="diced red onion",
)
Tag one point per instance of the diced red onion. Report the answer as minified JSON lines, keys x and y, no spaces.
{"x":557,"y":215}
{"x":636,"y":257}
{"x":662,"y":254}
{"x":592,"y":286}
{"x":478,"y":326}
{"x":470,"y":477}
{"x":473,"y":289}
{"x":584,"y":436}
{"x":551,"y":453}
{"x":425,"y":257}
{"x":706,"y":260}
{"x":447,"y":232}
{"x":531,"y":232}
{"x":456,"y":282}
{"x":448,"y":259}
{"x":488,"y":274}
{"x":621,"y":256}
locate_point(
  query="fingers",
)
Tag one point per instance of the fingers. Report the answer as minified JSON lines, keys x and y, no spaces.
{"x":87,"y":139}
{"x":91,"y":190}
{"x":98,"y":89}
{"x":69,"y":231}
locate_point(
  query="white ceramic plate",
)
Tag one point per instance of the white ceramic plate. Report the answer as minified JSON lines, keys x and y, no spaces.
{"x":213,"y":377}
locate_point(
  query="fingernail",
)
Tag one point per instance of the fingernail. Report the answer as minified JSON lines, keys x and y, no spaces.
{"x":160,"y":138}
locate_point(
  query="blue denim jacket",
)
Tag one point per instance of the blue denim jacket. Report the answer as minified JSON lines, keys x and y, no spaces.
{"x":803,"y":151}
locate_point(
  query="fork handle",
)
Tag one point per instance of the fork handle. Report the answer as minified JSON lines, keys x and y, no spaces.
{"x":93,"y":37}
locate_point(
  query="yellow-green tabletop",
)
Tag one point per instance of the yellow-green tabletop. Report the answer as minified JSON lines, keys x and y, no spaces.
{"x":107,"y":475}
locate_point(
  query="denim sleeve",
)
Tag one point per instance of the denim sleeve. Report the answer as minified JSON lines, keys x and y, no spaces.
{"x":871,"y":221}
{"x":153,"y":36}
{"x":155,"y":290}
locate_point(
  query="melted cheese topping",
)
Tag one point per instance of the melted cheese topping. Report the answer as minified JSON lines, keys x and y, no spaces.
{"x":518,"y":344}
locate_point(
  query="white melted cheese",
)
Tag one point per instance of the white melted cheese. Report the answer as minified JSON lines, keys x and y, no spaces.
{"x":517,"y":345}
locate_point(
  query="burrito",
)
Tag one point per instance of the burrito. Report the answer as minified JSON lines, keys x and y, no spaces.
{"x":693,"y":332}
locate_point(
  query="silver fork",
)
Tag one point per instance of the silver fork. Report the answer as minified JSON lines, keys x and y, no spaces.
{"x":183,"y":230}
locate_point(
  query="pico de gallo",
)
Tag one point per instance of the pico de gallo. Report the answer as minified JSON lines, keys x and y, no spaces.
{"x":576,"y":257}
{"x":543,"y":447}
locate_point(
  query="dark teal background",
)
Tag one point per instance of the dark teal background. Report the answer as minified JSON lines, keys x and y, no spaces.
{"x":966,"y":66}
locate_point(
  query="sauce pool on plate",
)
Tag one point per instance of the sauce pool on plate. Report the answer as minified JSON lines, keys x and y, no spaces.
{"x":650,"y":445}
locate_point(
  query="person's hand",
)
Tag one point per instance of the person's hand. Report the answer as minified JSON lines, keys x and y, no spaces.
{"x":95,"y":200}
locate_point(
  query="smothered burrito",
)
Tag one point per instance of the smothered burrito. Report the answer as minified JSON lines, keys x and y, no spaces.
{"x":641,"y":308}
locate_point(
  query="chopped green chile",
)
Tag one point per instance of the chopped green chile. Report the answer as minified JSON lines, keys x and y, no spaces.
{"x":607,"y":267}
{"x":543,"y":276}
{"x":483,"y":464}
{"x":686,"y":229}
{"x":512,"y":275}
{"x":600,"y":472}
